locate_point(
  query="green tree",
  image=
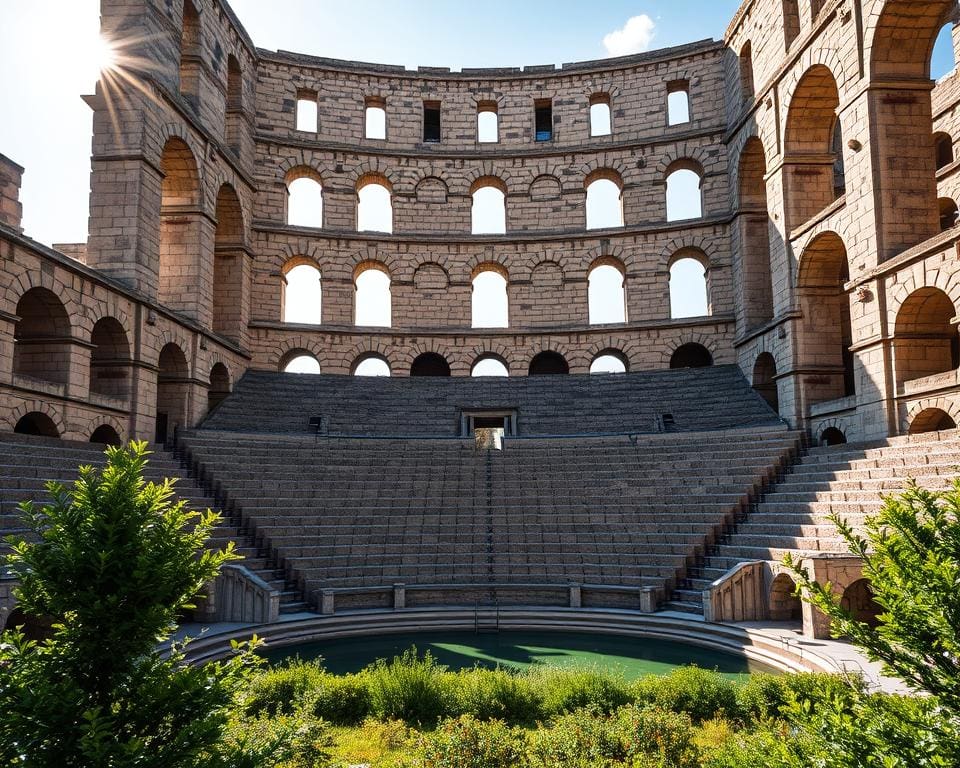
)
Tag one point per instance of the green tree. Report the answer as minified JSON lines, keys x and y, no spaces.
{"x":114,"y":561}
{"x":911,"y":557}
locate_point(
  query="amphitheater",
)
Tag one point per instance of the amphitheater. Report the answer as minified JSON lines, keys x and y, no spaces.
{"x":628,"y":467}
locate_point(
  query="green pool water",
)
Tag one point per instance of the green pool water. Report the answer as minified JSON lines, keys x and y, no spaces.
{"x":631,"y":657}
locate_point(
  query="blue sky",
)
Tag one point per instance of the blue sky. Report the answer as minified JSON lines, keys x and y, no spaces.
{"x":48,"y":59}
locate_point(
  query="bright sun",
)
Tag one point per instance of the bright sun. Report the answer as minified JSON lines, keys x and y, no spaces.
{"x":103,"y":54}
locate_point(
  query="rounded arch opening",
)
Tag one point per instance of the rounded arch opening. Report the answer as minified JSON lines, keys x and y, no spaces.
{"x":301,"y":295}
{"x":943,"y":149}
{"x":109,"y":359}
{"x":430,"y":364}
{"x":948,"y":213}
{"x":488,"y":212}
{"x":105,"y":435}
{"x":38,"y":424}
{"x":691,"y":355}
{"x":832,"y":436}
{"x":548,"y":363}
{"x":370,"y":365}
{"x":41,"y":337}
{"x":785,"y":604}
{"x":304,"y":198}
{"x":300,"y":361}
{"x":604,"y":200}
{"x":684,"y":191}
{"x":689,"y":291}
{"x":606,"y":294}
{"x":765,"y":379}
{"x":372,"y":296}
{"x":489,"y":300}
{"x":219,"y":385}
{"x":32,"y":627}
{"x":859,"y":602}
{"x":374,"y":206}
{"x":173,"y":389}
{"x":609,"y":361}
{"x":931,"y":420}
{"x":925,"y":341}
{"x":756,"y":295}
{"x":489,"y":365}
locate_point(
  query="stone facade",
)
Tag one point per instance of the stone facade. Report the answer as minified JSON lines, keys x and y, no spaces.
{"x":831,"y":284}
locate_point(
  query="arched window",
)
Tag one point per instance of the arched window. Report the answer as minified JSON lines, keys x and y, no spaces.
{"x":191,"y":62}
{"x":489,"y":365}
{"x":173,"y":390}
{"x":488,"y":216}
{"x":931,"y":420}
{"x":488,"y":128}
{"x":925,"y":341}
{"x":109,"y":359}
{"x":300,"y":362}
{"x":489,"y":304}
{"x":374,"y":207}
{"x":753,"y":220}
{"x":943,"y":149}
{"x":688,"y":288}
{"x":372,"y":304}
{"x":609,"y":361}
{"x":948,"y":213}
{"x":181,"y":221}
{"x":105,"y":435}
{"x":606,"y":298}
{"x":678,"y":103}
{"x":684,"y":192}
{"x":371,"y":365}
{"x":228,"y":265}
{"x":219,"y":385}
{"x":746,"y":72}
{"x":765,"y":379}
{"x":301,"y":294}
{"x":234,"y":104}
{"x":691,"y":355}
{"x":600,"y":123}
{"x":41,"y":337}
{"x":304,"y":198}
{"x":944,"y":60}
{"x":430,"y":364}
{"x":604,"y":200}
{"x":548,"y":363}
{"x":38,"y":424}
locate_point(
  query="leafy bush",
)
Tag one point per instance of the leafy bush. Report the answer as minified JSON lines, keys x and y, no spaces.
{"x":283,"y":689}
{"x":342,"y":700}
{"x":410,"y":688}
{"x":697,"y":692}
{"x":756,"y":748}
{"x":634,"y":736}
{"x":466,"y":742}
{"x":495,"y":694}
{"x":295,"y":740}
{"x":766,"y":696}
{"x":563,"y":690}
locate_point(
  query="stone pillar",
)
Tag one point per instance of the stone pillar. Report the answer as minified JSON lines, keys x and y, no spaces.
{"x":399,"y":596}
{"x":327,"y":602}
{"x":576,"y":596}
{"x":11,"y":211}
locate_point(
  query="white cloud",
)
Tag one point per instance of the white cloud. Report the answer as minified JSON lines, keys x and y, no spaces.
{"x":633,"y":37}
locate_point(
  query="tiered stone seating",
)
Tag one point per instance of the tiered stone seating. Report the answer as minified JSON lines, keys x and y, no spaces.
{"x":697,"y":398}
{"x":354,"y":513}
{"x":28,"y":463}
{"x":849,"y":480}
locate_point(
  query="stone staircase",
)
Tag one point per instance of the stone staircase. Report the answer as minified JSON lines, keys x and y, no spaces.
{"x":27,"y":463}
{"x":793,"y":515}
{"x":361,"y":514}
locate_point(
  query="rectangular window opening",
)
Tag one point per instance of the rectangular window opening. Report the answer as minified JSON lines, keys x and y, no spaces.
{"x":678,"y":103}
{"x":307,"y":111}
{"x":488,"y":128}
{"x":543,"y":120}
{"x":375,"y":118}
{"x":431,"y":122}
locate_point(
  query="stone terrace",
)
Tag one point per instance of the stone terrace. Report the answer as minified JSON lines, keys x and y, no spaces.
{"x":698,"y":399}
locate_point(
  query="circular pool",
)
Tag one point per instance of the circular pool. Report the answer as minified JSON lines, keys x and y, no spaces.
{"x":633,"y":657}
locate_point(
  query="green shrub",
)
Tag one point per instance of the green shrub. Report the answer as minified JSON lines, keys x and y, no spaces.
{"x":282,"y":741}
{"x":409,"y":688}
{"x":466,"y":742}
{"x":749,"y":748}
{"x":283,"y":689}
{"x":341,"y":700}
{"x":634,"y":736}
{"x":563,"y":690}
{"x":694,"y":691}
{"x":495,"y":694}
